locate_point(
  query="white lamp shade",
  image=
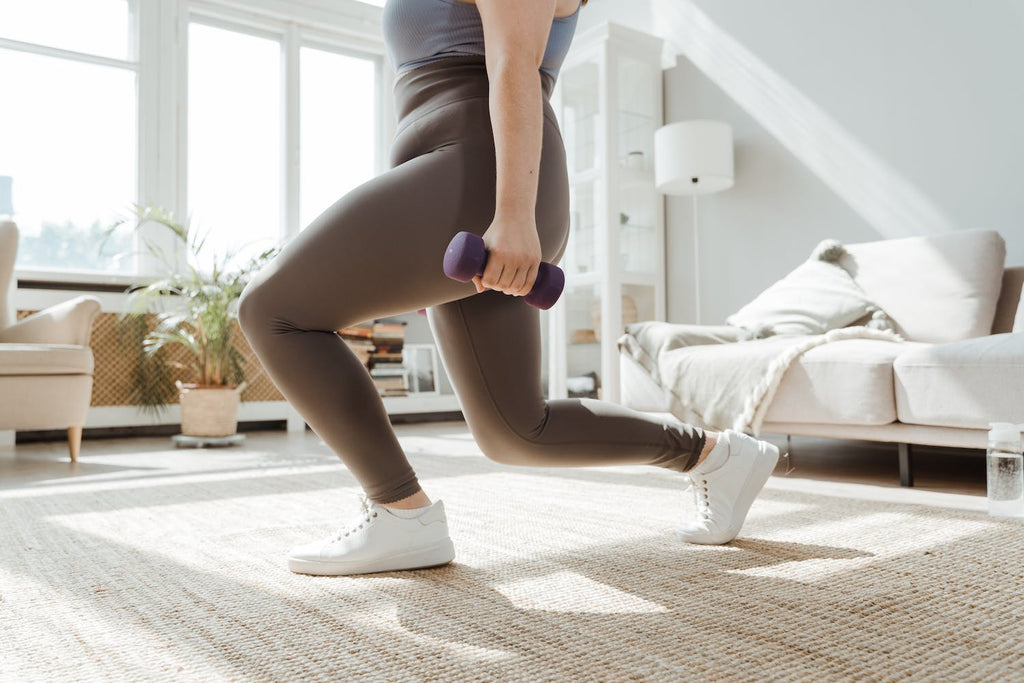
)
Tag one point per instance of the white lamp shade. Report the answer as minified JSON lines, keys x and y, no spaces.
{"x":693,"y":157}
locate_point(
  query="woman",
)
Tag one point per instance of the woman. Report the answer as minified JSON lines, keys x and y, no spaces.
{"x":477,"y":148}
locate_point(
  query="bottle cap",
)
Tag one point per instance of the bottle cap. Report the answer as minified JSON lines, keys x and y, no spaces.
{"x":1004,"y":432}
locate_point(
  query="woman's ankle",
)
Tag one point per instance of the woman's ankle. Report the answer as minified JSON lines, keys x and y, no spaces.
{"x":710,"y":439}
{"x":416,"y":500}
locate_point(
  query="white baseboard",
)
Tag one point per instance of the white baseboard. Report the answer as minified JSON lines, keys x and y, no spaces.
{"x":249,"y":411}
{"x":254,"y":411}
{"x":131,"y":416}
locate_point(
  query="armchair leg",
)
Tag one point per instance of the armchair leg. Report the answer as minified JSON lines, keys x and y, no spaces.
{"x":74,"y":442}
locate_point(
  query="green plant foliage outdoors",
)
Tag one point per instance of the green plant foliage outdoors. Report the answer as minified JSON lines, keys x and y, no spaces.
{"x":195,"y":310}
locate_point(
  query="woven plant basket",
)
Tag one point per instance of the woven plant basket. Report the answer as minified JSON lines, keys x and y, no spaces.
{"x":209,"y":411}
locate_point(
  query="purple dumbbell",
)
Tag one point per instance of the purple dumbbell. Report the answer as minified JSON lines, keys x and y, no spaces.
{"x":466,"y":257}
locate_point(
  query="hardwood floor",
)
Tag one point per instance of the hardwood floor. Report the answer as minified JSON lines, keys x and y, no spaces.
{"x":942,"y":476}
{"x":947,"y":470}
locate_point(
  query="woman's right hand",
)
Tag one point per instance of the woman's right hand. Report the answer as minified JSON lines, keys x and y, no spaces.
{"x":514,"y":256}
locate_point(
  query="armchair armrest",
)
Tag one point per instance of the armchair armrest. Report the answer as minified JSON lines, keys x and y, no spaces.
{"x":69,"y":322}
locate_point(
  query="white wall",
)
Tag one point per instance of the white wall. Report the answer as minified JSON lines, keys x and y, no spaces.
{"x":856,"y":120}
{"x":635,"y":14}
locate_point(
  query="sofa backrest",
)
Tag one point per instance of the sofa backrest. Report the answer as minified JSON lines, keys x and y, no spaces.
{"x":1010,"y":308}
{"x":936,"y":288}
{"x":8,"y":252}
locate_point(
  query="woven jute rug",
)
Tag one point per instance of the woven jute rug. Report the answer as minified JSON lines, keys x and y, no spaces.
{"x":175,"y":571}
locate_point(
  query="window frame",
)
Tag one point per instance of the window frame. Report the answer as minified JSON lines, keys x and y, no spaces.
{"x":158,"y":53}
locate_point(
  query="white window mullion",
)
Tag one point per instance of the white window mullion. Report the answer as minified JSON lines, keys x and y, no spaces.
{"x":155,"y":114}
{"x":175,"y":13}
{"x":386,"y":113}
{"x":290,"y":84}
{"x":163,"y":108}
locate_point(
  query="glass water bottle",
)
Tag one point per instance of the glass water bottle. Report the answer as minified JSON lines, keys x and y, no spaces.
{"x":1005,"y":471}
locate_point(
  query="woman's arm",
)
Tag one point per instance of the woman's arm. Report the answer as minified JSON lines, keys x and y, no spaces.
{"x":515,"y":35}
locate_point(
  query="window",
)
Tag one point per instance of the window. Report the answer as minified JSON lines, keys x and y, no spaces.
{"x":68,"y":131}
{"x":32,"y":21}
{"x":93,"y":121}
{"x":336,"y":133}
{"x":234,"y":141}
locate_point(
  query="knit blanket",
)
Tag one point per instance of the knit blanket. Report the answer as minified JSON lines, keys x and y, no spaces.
{"x":716,"y":378}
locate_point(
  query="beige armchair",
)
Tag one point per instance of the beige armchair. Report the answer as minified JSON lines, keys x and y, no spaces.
{"x":46,"y":364}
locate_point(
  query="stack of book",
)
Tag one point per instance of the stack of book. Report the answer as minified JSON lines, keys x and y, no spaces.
{"x":359,"y":338}
{"x":386,"y":367}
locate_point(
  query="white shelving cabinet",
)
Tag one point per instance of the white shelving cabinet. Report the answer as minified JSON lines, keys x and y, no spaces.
{"x":608,"y":100}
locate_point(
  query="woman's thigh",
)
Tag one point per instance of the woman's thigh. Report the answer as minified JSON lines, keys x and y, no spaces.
{"x":379,"y":249}
{"x":376,"y":251}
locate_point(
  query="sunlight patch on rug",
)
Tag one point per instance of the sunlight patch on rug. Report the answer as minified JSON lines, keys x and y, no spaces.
{"x":884,"y":535}
{"x":567,"y":591}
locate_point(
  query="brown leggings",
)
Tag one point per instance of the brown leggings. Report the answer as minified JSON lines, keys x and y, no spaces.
{"x":377,"y":252}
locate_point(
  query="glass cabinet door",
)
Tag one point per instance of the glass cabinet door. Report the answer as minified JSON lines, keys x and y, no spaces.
{"x":608,"y":101}
{"x":637,"y":116}
{"x":583,"y":352}
{"x":579,"y":118}
{"x":581,"y":252}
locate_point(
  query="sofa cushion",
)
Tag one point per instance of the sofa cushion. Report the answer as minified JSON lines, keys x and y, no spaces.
{"x":962,"y":384}
{"x":845,"y":382}
{"x":815,"y":297}
{"x":937,"y":288}
{"x":45,"y":359}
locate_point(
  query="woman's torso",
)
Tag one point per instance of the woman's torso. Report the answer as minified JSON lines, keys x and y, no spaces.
{"x":418,"y":32}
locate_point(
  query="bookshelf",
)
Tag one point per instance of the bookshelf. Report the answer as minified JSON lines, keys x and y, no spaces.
{"x":401,"y":357}
{"x":609,"y":103}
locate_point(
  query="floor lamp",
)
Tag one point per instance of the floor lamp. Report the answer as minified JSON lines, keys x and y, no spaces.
{"x":693,"y":158}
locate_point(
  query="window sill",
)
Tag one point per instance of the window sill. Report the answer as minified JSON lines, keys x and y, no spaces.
{"x":89,"y":282}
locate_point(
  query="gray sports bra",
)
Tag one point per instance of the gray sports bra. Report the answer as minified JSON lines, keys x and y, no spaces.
{"x":418,"y":32}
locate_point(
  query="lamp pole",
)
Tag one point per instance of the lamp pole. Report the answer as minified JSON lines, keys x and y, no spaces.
{"x":696,"y":256}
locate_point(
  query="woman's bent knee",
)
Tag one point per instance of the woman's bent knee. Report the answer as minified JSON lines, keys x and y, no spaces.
{"x":252,"y":310}
{"x":507,"y":448}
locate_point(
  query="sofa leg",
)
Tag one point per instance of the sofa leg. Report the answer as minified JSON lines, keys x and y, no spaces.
{"x":906,"y":465}
{"x":74,"y":442}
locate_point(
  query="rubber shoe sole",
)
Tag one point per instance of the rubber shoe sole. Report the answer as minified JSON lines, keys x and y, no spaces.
{"x":435,"y":555}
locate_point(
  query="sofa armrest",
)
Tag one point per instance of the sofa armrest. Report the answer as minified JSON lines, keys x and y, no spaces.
{"x":69,"y":322}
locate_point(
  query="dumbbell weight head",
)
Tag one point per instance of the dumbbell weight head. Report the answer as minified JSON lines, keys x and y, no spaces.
{"x":547,"y":287}
{"x":466,"y":258}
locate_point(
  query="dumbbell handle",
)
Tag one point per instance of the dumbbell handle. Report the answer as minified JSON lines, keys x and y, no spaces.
{"x":466,"y":258}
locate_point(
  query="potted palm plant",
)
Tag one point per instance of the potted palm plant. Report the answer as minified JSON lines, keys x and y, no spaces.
{"x":195,"y":307}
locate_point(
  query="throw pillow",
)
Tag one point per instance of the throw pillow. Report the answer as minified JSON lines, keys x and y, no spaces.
{"x":818,"y":296}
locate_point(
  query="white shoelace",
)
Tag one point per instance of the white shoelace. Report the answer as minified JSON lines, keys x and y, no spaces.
{"x":365,"y":517}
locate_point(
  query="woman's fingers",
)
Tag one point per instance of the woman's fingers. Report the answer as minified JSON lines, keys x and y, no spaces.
{"x":517,"y":281}
{"x":523,"y":281}
{"x":492,"y":273}
{"x":531,"y":278}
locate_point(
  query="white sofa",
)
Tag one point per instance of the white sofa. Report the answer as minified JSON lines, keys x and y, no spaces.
{"x":962,"y":365}
{"x":46,"y":364}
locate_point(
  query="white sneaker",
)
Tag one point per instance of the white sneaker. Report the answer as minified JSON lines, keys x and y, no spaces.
{"x":725,"y":494}
{"x":378,"y":541}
